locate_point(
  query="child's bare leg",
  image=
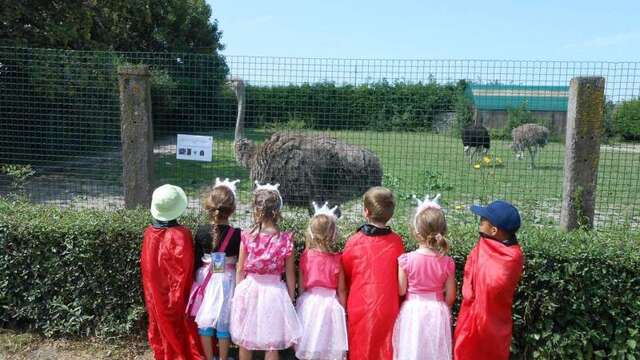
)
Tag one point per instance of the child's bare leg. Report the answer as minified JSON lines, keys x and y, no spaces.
{"x":207,"y":346}
{"x":223,"y":348}
{"x":245,"y":354}
{"x":272,"y":355}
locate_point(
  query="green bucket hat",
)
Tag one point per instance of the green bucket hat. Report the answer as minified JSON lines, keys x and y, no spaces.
{"x":168,"y":202}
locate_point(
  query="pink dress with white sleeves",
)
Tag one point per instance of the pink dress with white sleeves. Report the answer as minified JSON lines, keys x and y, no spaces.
{"x":262,"y":314}
{"x":322,"y":317}
{"x":423,"y":327}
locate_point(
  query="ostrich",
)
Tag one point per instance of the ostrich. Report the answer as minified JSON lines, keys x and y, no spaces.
{"x":308,"y":167}
{"x":531,"y":137}
{"x":476,"y":139}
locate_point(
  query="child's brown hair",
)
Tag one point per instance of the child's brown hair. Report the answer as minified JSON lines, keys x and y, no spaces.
{"x":321,"y":233}
{"x":220,"y":204}
{"x":431,"y":229}
{"x":266,"y":207}
{"x":380,"y":202}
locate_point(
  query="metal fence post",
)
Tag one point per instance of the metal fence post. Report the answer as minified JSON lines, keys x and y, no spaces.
{"x":582,"y":153}
{"x":136,"y":134}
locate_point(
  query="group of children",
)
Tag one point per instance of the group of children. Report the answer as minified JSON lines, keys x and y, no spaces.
{"x":372,"y":301}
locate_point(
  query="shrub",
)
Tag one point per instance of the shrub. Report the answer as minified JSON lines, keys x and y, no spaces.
{"x":463,"y":108}
{"x":376,"y":106}
{"x":627,"y":119}
{"x":71,"y":273}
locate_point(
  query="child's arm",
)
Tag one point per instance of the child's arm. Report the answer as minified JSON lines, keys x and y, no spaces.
{"x":290,"y":270}
{"x":450,"y":290}
{"x":242,"y":256}
{"x":342,"y":289}
{"x":402,"y":281}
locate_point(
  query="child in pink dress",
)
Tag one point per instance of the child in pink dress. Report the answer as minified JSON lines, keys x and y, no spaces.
{"x":324,"y":292}
{"x":427,"y":277}
{"x":262,"y":312}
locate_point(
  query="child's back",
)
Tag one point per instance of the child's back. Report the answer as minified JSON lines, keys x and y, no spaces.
{"x":423,"y":328}
{"x":262,"y":312}
{"x":166,"y":264}
{"x":371,"y":270}
{"x":491,"y":276}
{"x":426,"y":273}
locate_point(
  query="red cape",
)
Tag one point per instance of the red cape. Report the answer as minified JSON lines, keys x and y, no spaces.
{"x":491,"y":276}
{"x":167,"y":274}
{"x":371,"y":270}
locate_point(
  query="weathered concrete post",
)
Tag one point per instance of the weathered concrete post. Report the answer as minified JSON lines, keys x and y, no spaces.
{"x":136,"y":134}
{"x":583,"y":134}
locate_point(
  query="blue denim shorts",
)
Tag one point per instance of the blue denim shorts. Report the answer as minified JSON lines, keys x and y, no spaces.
{"x":209,"y":331}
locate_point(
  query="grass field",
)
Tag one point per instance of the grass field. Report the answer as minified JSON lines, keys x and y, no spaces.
{"x":421,"y":163}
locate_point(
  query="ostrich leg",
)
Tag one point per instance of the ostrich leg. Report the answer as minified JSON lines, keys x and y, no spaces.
{"x":532,"y":157}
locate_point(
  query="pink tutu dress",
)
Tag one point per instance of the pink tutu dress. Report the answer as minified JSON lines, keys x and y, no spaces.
{"x":262,"y":314}
{"x":423,"y":328}
{"x":323,"y":318}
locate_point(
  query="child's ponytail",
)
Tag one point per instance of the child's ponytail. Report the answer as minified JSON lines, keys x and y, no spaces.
{"x":431,"y":229}
{"x":438,"y":242}
{"x":219,"y":204}
{"x":266,"y":207}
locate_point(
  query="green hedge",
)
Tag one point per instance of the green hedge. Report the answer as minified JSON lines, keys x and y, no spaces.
{"x":76,"y":273}
{"x":627,"y":119}
{"x":377,"y":106}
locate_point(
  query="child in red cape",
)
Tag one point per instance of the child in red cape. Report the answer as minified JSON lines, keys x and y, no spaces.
{"x":371,"y":272}
{"x":167,"y":274}
{"x":491,"y":275}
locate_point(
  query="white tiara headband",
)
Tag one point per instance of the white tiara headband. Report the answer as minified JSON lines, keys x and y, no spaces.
{"x":423,"y":205}
{"x":270,"y":187}
{"x":324,"y":210}
{"x":231,"y":185}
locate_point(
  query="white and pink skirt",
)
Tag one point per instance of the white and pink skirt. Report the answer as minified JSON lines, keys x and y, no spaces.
{"x":262,"y":314}
{"x":324,"y":325}
{"x":215,"y":310}
{"x":423,"y":328}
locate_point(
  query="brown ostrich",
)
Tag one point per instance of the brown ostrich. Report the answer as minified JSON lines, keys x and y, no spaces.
{"x":307,"y":167}
{"x":530,"y":137}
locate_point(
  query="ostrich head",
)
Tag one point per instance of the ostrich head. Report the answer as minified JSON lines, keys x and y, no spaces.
{"x":237,"y":86}
{"x":244,"y":148}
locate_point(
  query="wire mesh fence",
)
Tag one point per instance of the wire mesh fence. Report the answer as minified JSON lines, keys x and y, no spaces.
{"x":324,"y":128}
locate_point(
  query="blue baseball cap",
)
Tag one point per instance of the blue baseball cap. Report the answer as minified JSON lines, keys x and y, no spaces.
{"x":501,"y":214}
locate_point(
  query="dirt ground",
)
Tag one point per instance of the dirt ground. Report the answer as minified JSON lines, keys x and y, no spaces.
{"x":26,"y":346}
{"x":34,"y":347}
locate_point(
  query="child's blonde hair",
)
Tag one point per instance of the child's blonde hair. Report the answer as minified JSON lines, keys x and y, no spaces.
{"x":380,"y":202}
{"x":220,"y":204}
{"x":321,"y":232}
{"x":430,"y":229}
{"x":266,"y":207}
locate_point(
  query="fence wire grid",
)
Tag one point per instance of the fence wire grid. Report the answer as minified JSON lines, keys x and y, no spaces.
{"x":60,"y":114}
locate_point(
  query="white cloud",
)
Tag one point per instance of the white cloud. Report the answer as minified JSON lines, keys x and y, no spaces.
{"x":606,"y":41}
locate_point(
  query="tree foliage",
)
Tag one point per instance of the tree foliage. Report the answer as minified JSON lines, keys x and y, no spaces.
{"x":126,"y":25}
{"x":627,"y":119}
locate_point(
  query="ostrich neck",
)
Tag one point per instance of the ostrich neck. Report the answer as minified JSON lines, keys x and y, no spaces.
{"x":240,"y":119}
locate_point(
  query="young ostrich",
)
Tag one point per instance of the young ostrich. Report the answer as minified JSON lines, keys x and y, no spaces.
{"x":307,"y":167}
{"x":532,"y":137}
{"x":476,"y":140}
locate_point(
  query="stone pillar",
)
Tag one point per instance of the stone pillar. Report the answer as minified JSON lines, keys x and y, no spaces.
{"x":582,"y":153}
{"x":136,"y":134}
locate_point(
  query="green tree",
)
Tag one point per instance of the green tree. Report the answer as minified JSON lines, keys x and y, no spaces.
{"x":126,"y":25}
{"x":520,"y":115}
{"x":463,"y":107}
{"x":627,"y":119}
{"x":609,"y":126}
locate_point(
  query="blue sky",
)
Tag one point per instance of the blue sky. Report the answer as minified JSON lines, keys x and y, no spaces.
{"x":403,"y":29}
